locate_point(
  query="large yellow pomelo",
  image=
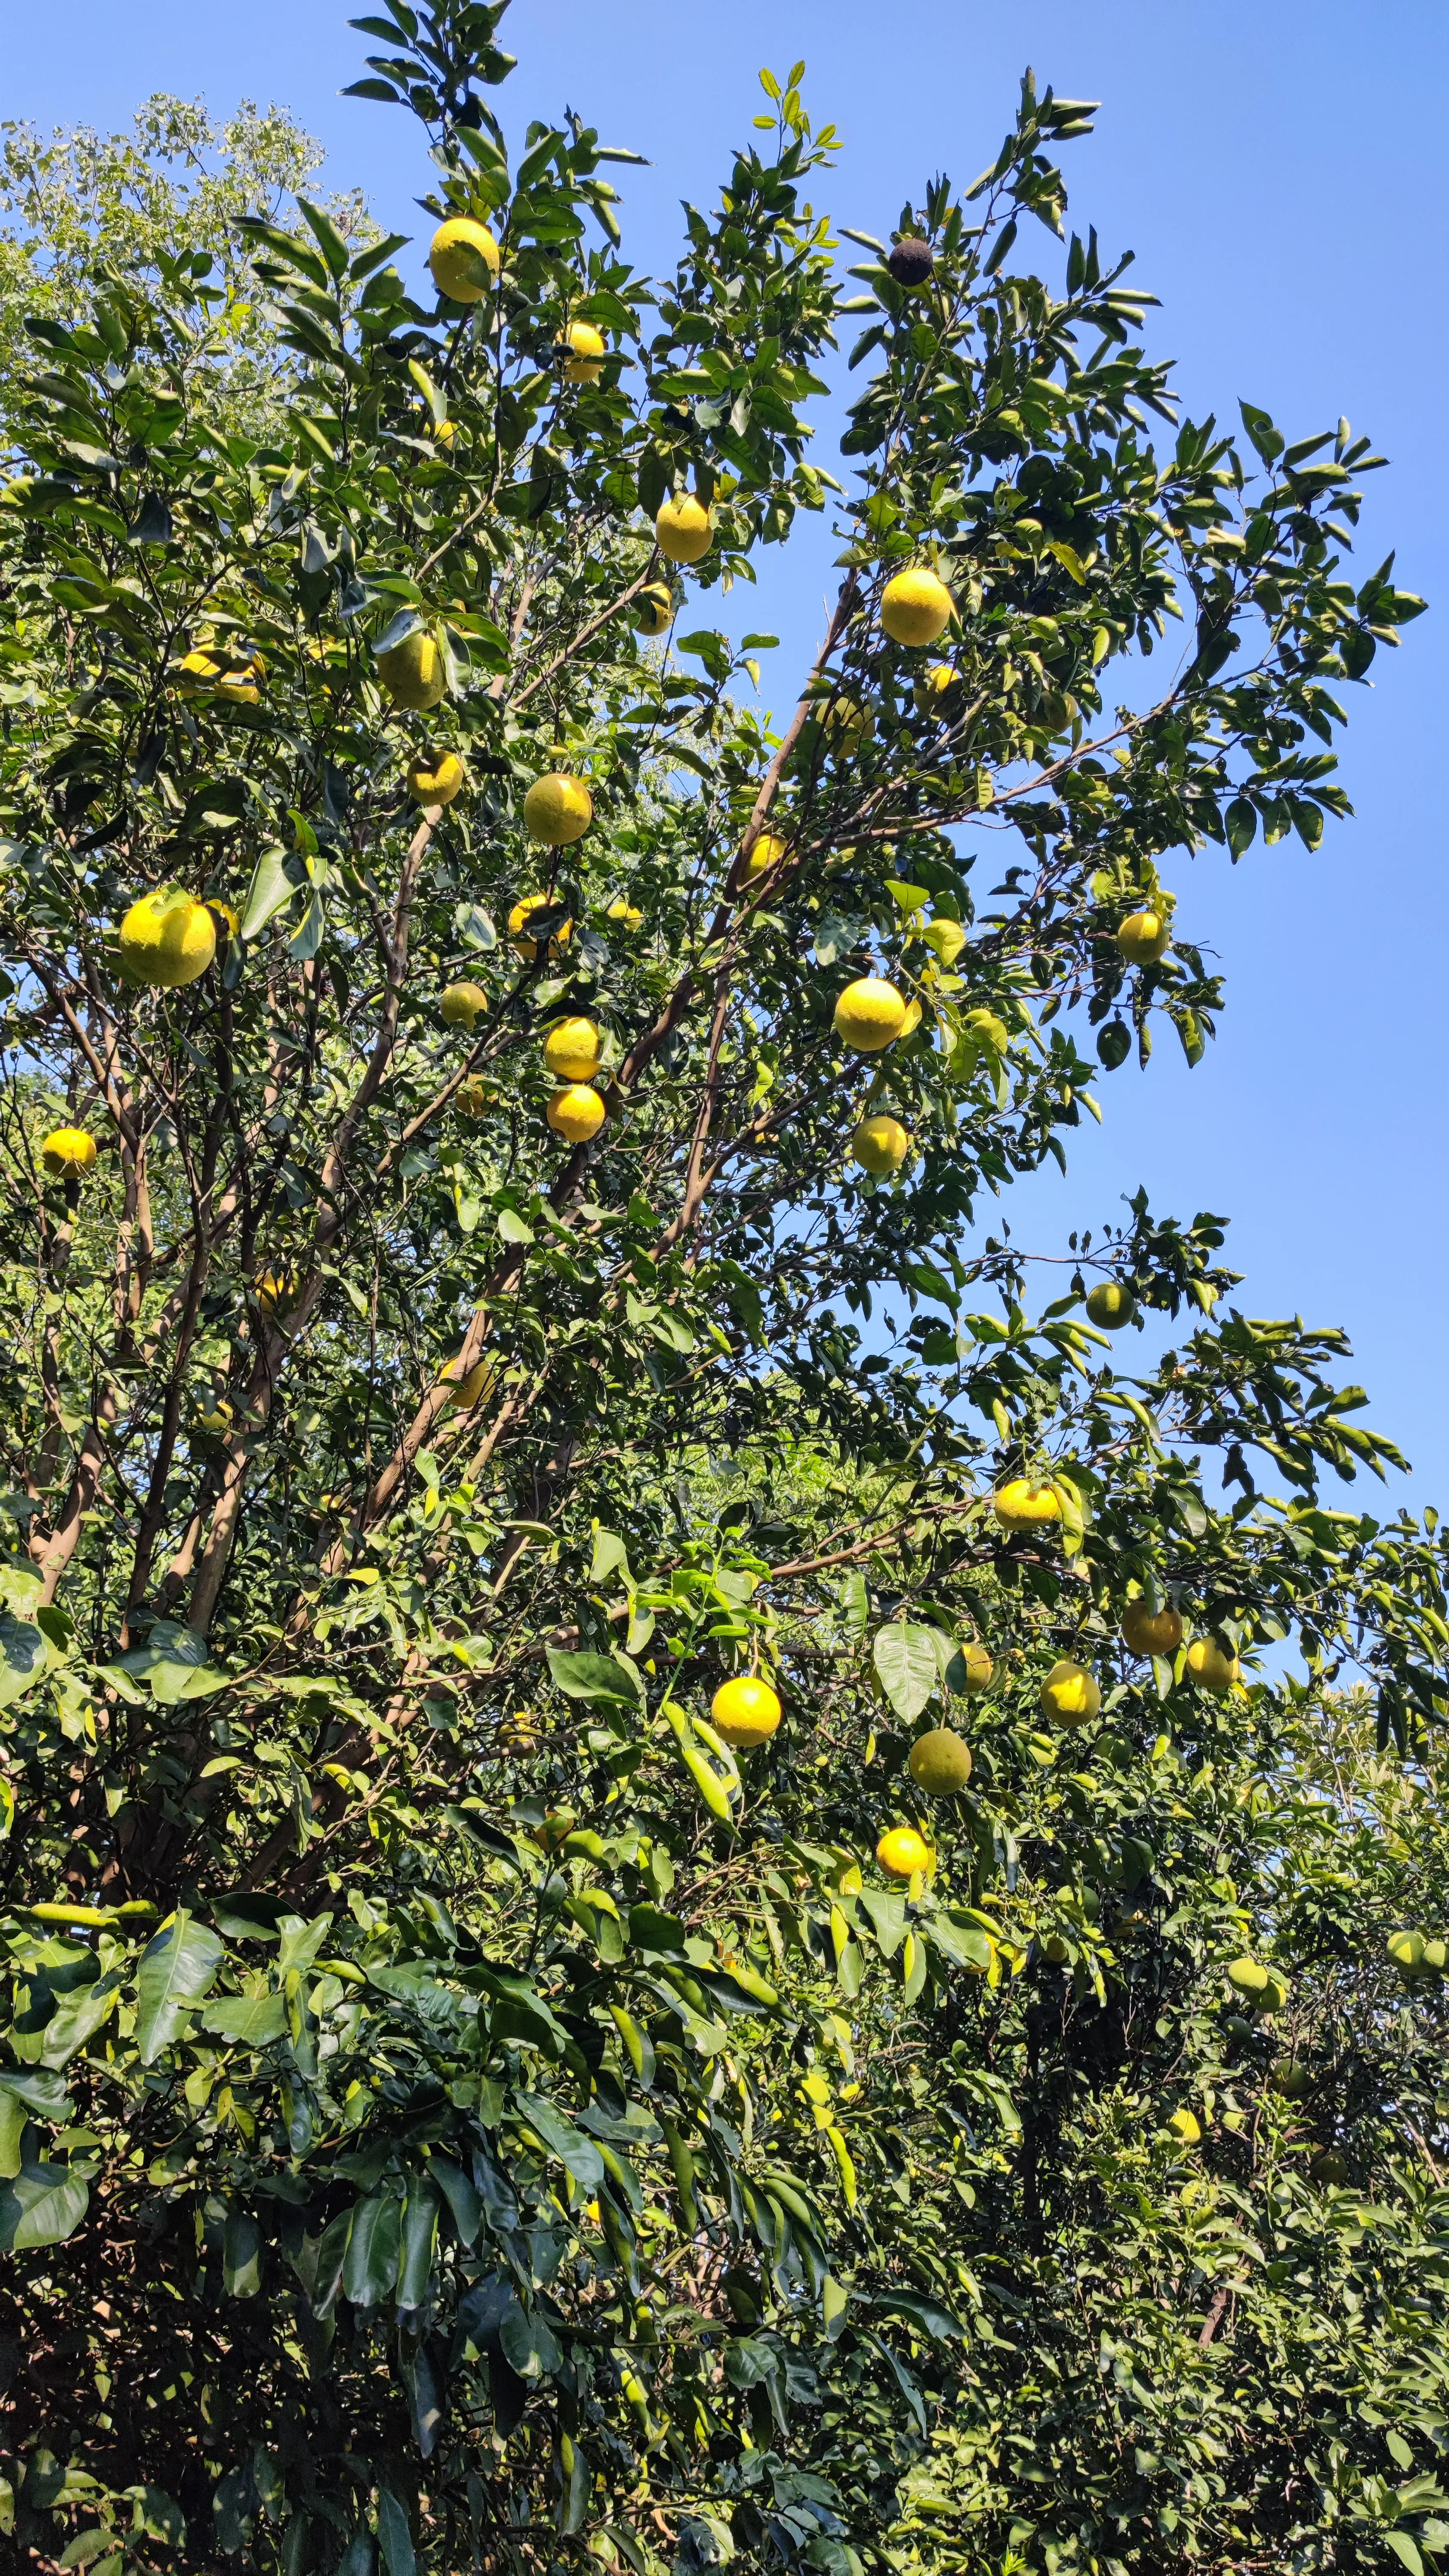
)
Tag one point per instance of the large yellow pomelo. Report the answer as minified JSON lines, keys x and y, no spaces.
{"x":467,"y":1390}
{"x":1021,"y":1504}
{"x":869,"y":1014}
{"x":460,"y":1004}
{"x":916,"y":607}
{"x":558,"y":809}
{"x":684,"y":529}
{"x":768,"y":849}
{"x":460,"y":252}
{"x":583,"y":351}
{"x":1069,"y":1694}
{"x":977,"y":1667}
{"x":576,"y":1113}
{"x":527,"y":948}
{"x":745,"y":1713}
{"x":1143,"y":937}
{"x":412,"y":672}
{"x":880,"y":1145}
{"x":67,"y":1152}
{"x":901,"y":1852}
{"x":1151,"y":1632}
{"x":571,"y":1050}
{"x":435,"y":777}
{"x":1209,"y":1665}
{"x":654,"y":608}
{"x":166,"y":939}
{"x":1110,"y":1305}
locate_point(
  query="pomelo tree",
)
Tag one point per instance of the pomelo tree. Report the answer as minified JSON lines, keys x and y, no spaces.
{"x":665,"y":1894}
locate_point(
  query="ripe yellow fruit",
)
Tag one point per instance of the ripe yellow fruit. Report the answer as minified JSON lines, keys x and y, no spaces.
{"x":468,"y":1389}
{"x":460,"y":251}
{"x":1021,"y":1504}
{"x":745,"y":1713}
{"x":571,"y":1050}
{"x":1436,"y":1958}
{"x":1409,"y":1952}
{"x":1143,"y":937}
{"x":444,"y":431}
{"x":460,"y":1004}
{"x":848,"y":722}
{"x":576,"y":1113}
{"x":933,"y":687}
{"x":1250,"y":1977}
{"x":946,"y":937}
{"x":67,"y":1152}
{"x":412,"y":672}
{"x":977,"y":1666}
{"x":1151,"y":1632}
{"x":902,"y":1851}
{"x":583,"y":350}
{"x":472,"y":1096}
{"x":870,"y":1014}
{"x":435,"y":777}
{"x":880,"y":1145}
{"x":1069,"y":1694}
{"x":654,"y":608}
{"x":528,"y":949}
{"x":558,"y":809}
{"x":274,"y":1292}
{"x":208,"y":673}
{"x":1208,"y":1664}
{"x":1187,"y":2126}
{"x":217,"y":1419}
{"x":166,"y":939}
{"x":916,"y":607}
{"x":940,"y":1763}
{"x":1110,"y":1305}
{"x":684,"y":529}
{"x":767,"y":850}
{"x":622,"y":910}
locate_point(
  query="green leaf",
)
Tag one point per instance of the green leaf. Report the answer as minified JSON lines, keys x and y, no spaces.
{"x":600,"y":1678}
{"x":43,"y":2205}
{"x":905,"y":1659}
{"x":176,"y":1969}
{"x":275,"y":879}
{"x":252,"y":2020}
{"x":24,"y":1654}
{"x":1404,"y":2549}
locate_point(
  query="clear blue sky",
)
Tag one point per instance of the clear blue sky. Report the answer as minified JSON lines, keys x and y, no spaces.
{"x":1272,"y":164}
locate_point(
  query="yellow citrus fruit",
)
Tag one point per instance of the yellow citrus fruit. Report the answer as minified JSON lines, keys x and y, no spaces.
{"x":166,"y":938}
{"x":1021,"y":1504}
{"x":745,"y":1713}
{"x":208,"y":672}
{"x":274,"y":1292}
{"x":1151,"y":1632}
{"x":654,"y":608}
{"x":870,"y":1014}
{"x":977,"y":1668}
{"x":880,"y":1145}
{"x":767,"y":850}
{"x":67,"y":1152}
{"x":222,"y":913}
{"x":1110,"y":1305}
{"x":526,"y":948}
{"x":1143,"y":937}
{"x":435,"y":777}
{"x":1187,"y":2126}
{"x":916,"y":607}
{"x":1406,"y":1949}
{"x":583,"y":350}
{"x":576,"y":1113}
{"x":412,"y":672}
{"x":472,"y":1096}
{"x":946,"y":937}
{"x":684,"y":529}
{"x":217,"y":1419}
{"x":557,"y":809}
{"x":444,"y":431}
{"x":1208,"y":1664}
{"x":460,"y":1004}
{"x":848,"y":722}
{"x":940,"y":1763}
{"x":933,"y":687}
{"x":624,"y":911}
{"x":1249,"y":1977}
{"x":571,"y":1050}
{"x":460,"y":252}
{"x":1069,"y":1694}
{"x":468,"y":1389}
{"x":902,"y":1851}
{"x":1289,"y":2078}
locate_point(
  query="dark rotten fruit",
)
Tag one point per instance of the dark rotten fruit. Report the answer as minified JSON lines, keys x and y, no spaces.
{"x":912,"y":261}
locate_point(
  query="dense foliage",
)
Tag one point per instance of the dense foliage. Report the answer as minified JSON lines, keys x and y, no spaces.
{"x":455,"y":2109}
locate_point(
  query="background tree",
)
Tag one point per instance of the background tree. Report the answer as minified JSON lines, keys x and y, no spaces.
{"x":465,"y":1072}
